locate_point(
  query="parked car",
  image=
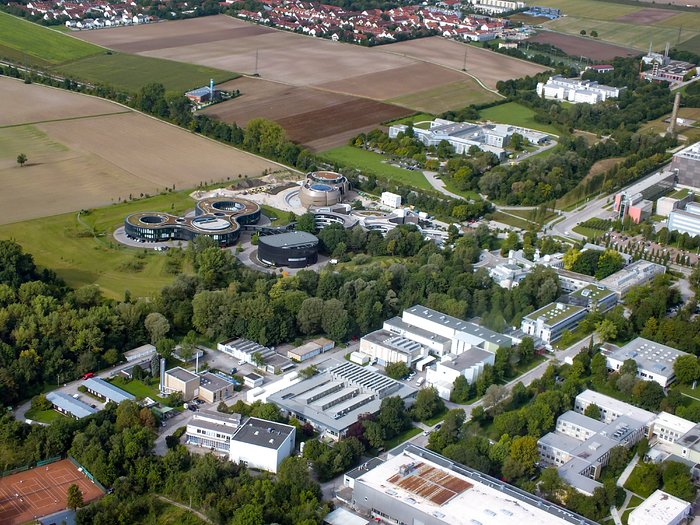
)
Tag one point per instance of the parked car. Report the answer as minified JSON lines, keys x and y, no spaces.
{"x":88,"y":375}
{"x":234,"y":370}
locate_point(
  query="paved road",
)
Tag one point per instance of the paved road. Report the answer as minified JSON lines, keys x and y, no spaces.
{"x":439,"y":185}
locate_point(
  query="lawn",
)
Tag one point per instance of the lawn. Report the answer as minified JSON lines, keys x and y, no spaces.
{"x":413,"y":119}
{"x":516,"y":222}
{"x":436,"y":419}
{"x":137,"y":388}
{"x":405,"y":436}
{"x":168,"y":514}
{"x":44,"y":416}
{"x":455,"y":95}
{"x":131,"y":72}
{"x":589,"y":233}
{"x":277,"y":217}
{"x":518,"y":115}
{"x":370,"y":163}
{"x":31,"y":43}
{"x":63,"y":244}
{"x":466,"y":194}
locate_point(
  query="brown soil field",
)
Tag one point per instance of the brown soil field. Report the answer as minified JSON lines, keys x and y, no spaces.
{"x":94,"y":161}
{"x":574,"y":45}
{"x":647,"y":16}
{"x":488,"y":66}
{"x":399,"y":81}
{"x":22,"y":103}
{"x":315,"y":118}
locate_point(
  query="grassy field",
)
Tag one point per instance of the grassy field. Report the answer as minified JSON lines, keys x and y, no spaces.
{"x":373,"y":163}
{"x":589,"y":233}
{"x":405,"y":436}
{"x":413,"y":119}
{"x":455,"y":95}
{"x":516,"y":114}
{"x":281,"y":217}
{"x":68,"y":247}
{"x":586,"y":8}
{"x":29,"y":42}
{"x":499,"y":216}
{"x":137,"y":388}
{"x":130,"y":72}
{"x":168,"y":514}
{"x":44,"y":416}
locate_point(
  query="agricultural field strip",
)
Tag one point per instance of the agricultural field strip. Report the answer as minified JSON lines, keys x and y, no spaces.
{"x":65,"y":119}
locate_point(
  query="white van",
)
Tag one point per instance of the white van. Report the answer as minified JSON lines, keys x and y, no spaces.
{"x":420,"y":381}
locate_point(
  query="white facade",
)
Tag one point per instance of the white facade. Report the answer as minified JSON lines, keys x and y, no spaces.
{"x":469,"y":364}
{"x":391,"y":199}
{"x":654,"y":360}
{"x":610,"y":408}
{"x":576,"y":90}
{"x":386,"y":348}
{"x":685,"y":221}
{"x":670,"y":428}
{"x":660,"y":509}
{"x":550,"y":322}
{"x":262,"y":444}
{"x":212,"y":430}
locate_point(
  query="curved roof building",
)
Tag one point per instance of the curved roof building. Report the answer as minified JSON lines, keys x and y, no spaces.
{"x":220,"y":218}
{"x":323,"y":188}
{"x":292,"y":249}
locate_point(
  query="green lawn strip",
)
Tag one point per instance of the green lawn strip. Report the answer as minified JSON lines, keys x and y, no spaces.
{"x":517,"y":115}
{"x":371,"y":163}
{"x":44,"y":416}
{"x":465,"y":194}
{"x":281,"y":217}
{"x":435,"y":419}
{"x":404,"y":436}
{"x":413,"y":119}
{"x":587,"y":232}
{"x":504,"y":218}
{"x":68,"y":247}
{"x":140,"y":389}
{"x":40,"y":45}
{"x":131,"y":72}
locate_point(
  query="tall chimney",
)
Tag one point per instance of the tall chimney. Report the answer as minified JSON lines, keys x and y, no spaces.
{"x":674,"y":114}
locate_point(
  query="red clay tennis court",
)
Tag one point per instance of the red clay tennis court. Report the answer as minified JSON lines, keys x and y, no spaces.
{"x":41,"y":491}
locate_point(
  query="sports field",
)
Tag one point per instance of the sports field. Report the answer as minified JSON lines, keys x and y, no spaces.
{"x":628,"y":25}
{"x":94,"y":160}
{"x":373,"y":163}
{"x":41,"y":491}
{"x":516,"y":114}
{"x":28,"y":43}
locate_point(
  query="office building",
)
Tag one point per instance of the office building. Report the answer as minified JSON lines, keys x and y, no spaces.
{"x":661,"y":509}
{"x":416,"y":485}
{"x":610,"y":408}
{"x":549,"y":322}
{"x":69,"y":405}
{"x":686,"y":220}
{"x":214,"y":388}
{"x":638,"y":273}
{"x":468,"y":364}
{"x":669,"y":428}
{"x":212,"y":430}
{"x":635,"y":201}
{"x":295,"y":249}
{"x":576,"y":90}
{"x":332,"y":400}
{"x":686,"y":164}
{"x":310,"y":349}
{"x":107,"y":391}
{"x":676,"y":200}
{"x":262,"y":444}
{"x":249,"y":351}
{"x":594,"y":297}
{"x":392,"y":200}
{"x":654,"y":360}
{"x":580,"y":446}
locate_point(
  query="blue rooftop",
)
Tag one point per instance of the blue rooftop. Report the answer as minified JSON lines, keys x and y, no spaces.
{"x":70,"y":405}
{"x":107,"y":390}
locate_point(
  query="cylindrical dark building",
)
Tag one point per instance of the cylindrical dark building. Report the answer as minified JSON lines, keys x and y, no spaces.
{"x":292,"y":249}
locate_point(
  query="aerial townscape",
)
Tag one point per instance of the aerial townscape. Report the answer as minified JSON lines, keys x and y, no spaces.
{"x":282,"y":262}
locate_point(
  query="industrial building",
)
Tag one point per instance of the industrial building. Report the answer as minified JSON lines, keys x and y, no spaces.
{"x":462,"y":136}
{"x":416,"y":485}
{"x":549,"y":322}
{"x":638,"y":273}
{"x":218,"y":218}
{"x":292,"y":249}
{"x":246,"y":350}
{"x":262,"y":444}
{"x":323,"y":188}
{"x":214,"y":388}
{"x":310,"y":349}
{"x":686,"y":220}
{"x":580,"y":446}
{"x":576,"y":90}
{"x":70,"y":406}
{"x":392,"y":200}
{"x":654,"y":360}
{"x":332,"y":400}
{"x":661,"y":508}
{"x":204,"y":95}
{"x":686,"y":163}
{"x":180,"y":380}
{"x":106,"y":391}
{"x":468,"y":364}
{"x":258,"y":443}
{"x":140,"y":353}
